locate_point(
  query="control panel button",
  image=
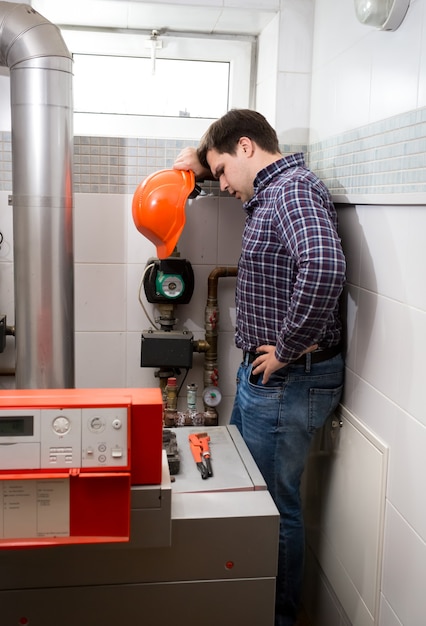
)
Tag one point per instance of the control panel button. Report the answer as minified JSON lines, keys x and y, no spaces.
{"x":96,"y":424}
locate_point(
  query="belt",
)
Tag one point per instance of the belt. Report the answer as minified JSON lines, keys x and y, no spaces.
{"x":316,"y":357}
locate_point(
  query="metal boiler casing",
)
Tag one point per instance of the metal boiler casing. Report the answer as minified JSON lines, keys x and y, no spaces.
{"x":199,"y":550}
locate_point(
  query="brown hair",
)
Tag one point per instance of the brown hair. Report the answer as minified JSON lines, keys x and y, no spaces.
{"x":223,"y":135}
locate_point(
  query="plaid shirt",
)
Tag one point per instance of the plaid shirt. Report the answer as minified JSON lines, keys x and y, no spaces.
{"x":292,"y":269}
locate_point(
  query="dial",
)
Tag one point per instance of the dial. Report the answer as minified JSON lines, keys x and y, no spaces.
{"x":96,"y":424}
{"x":61,"y":425}
{"x":212,"y":396}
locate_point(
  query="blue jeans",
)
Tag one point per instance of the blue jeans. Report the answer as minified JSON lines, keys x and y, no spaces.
{"x":277,"y":422}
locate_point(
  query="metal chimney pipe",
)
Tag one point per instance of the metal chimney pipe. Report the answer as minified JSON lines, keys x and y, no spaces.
{"x":42,"y":153}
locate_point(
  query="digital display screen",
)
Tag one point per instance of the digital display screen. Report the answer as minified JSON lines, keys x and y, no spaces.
{"x":21,"y":426}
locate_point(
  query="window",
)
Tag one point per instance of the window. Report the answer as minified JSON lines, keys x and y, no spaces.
{"x":137,"y":86}
{"x":196,"y":80}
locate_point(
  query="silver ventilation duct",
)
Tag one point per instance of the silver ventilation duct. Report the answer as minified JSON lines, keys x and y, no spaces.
{"x":42,"y":151}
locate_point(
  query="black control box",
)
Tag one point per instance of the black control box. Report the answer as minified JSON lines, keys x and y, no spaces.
{"x":166,"y":348}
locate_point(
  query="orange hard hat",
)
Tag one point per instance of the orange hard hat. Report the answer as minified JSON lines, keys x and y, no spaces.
{"x":159,"y":207}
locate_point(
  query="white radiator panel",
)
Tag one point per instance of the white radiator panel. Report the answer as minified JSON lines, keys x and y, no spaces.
{"x":344,"y":494}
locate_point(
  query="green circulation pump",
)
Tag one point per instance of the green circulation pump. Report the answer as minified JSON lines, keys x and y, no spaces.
{"x":169,"y":285}
{"x":170,"y":279}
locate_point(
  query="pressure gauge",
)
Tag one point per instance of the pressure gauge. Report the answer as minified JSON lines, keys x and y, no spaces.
{"x":212,"y":396}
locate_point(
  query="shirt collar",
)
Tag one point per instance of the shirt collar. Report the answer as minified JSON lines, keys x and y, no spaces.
{"x":269,"y":172}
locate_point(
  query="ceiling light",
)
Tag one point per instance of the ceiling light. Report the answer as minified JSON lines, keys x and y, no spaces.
{"x":382,"y":14}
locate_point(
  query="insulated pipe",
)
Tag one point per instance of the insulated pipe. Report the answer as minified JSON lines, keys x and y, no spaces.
{"x":42,"y":151}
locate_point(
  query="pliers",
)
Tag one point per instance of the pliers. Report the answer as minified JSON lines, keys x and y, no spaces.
{"x":199,"y":443}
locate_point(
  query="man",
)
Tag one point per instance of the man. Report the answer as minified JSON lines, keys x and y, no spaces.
{"x":290,"y":277}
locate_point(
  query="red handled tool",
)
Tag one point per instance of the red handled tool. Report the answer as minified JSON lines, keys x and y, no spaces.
{"x":200,"y":449}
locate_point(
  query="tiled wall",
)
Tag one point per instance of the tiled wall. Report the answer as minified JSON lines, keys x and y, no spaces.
{"x":116,"y":165}
{"x":5,"y":161}
{"x":388,"y":156}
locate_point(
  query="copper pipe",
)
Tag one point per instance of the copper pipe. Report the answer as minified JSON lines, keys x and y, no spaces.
{"x":218,"y":272}
{"x":211,"y":373}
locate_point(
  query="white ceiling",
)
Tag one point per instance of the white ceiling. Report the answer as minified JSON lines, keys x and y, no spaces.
{"x":161,"y":16}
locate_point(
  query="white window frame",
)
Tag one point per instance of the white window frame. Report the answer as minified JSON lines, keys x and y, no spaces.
{"x":239,"y":52}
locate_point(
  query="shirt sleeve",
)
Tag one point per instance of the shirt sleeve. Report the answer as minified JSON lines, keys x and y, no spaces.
{"x":306,"y":223}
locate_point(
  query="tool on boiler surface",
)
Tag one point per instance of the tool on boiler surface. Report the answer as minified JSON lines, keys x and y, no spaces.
{"x":204,"y":440}
{"x":199,"y":443}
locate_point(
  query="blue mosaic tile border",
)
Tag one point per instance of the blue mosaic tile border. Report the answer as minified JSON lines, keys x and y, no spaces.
{"x":385,"y":157}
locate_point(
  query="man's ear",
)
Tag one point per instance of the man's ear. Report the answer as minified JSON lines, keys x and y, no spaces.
{"x":247,"y":145}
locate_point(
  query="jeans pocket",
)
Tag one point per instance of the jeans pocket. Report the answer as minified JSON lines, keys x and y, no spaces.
{"x":322,"y":403}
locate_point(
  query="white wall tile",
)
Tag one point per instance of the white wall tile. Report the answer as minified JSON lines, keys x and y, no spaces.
{"x":350,"y":301}
{"x":267,"y":70}
{"x":387,"y":616}
{"x":266,"y":97}
{"x":404,"y":570}
{"x":323,"y":102}
{"x":351,"y":235}
{"x":346,"y":59}
{"x":408,"y":460}
{"x":392,"y":252}
{"x":352,"y":71}
{"x":293,"y":96}
{"x":336,"y":30}
{"x":100,"y":297}
{"x":408,"y":225}
{"x":418,"y":6}
{"x":411,"y":382}
{"x":374,"y":409}
{"x":229,"y":359}
{"x":100,"y":359}
{"x":198,"y":241}
{"x":379,"y":340}
{"x":296,"y":36}
{"x":230,"y":229}
{"x":395,"y":70}
{"x":267,"y":61}
{"x":100,"y":233}
{"x":379,"y":270}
